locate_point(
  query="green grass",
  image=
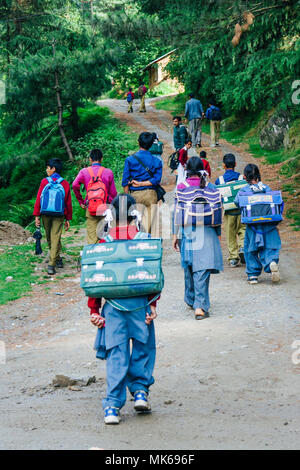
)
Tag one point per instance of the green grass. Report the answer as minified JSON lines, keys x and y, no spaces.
{"x":20,"y":263}
{"x":174,"y":104}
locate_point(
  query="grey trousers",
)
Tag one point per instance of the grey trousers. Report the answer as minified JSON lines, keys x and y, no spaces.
{"x":195,"y":127}
{"x":196,"y":292}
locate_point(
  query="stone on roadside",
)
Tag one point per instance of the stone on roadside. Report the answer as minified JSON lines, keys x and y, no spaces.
{"x":64,"y":381}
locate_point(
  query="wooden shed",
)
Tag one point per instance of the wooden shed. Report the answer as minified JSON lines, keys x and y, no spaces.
{"x":156,"y":69}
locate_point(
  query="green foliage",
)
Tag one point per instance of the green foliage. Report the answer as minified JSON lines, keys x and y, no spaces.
{"x":115,"y":140}
{"x":97,"y":128}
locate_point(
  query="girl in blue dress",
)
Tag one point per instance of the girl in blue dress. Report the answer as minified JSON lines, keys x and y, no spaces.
{"x":262,"y":241}
{"x":126,"y":367}
{"x":200,"y":249}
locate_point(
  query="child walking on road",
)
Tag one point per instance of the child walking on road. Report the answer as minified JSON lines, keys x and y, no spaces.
{"x":54,"y":205}
{"x":234,"y":229}
{"x":132,"y":368}
{"x":262,"y":240}
{"x":130,"y":98}
{"x":201,"y":253}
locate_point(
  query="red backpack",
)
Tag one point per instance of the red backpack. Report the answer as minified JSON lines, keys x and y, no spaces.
{"x":96,"y":191}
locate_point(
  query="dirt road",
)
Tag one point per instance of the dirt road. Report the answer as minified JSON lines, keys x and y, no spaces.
{"x":229,"y":382}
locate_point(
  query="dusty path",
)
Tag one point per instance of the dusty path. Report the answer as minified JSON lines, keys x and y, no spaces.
{"x":226,"y":382}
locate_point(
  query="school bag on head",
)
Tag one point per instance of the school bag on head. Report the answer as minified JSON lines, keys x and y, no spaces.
{"x":215,"y":114}
{"x":197,"y":206}
{"x":156,"y":148}
{"x":173,"y":161}
{"x":229,"y":191}
{"x":123,"y":268}
{"x":96,"y":192}
{"x":261,"y":207}
{"x":53,"y":198}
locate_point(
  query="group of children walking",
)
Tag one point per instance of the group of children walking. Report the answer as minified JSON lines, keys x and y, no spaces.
{"x":125,"y":329}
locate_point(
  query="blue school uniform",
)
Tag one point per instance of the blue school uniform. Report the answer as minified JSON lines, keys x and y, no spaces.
{"x":125,"y":368}
{"x":262,"y":242}
{"x":201,"y":256}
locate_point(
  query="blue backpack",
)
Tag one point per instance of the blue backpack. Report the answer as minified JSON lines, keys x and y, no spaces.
{"x":53,"y":198}
{"x":261,"y":207}
{"x":215,"y":114}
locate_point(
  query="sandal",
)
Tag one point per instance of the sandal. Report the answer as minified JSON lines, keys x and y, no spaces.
{"x":199,"y":316}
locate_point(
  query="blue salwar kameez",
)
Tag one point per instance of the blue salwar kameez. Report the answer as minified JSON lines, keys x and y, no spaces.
{"x":262,"y":242}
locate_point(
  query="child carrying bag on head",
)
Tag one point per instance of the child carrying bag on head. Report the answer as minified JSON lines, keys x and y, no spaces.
{"x":125,"y":319}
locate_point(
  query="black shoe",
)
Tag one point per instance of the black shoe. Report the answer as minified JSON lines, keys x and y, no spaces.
{"x":59,"y":263}
{"x":233,"y":263}
{"x":242,"y":257}
{"x":51,"y":270}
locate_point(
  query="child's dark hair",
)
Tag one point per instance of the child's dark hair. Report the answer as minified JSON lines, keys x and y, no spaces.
{"x":122,"y":204}
{"x":96,"y":155}
{"x":195,"y":167}
{"x":251,"y":173}
{"x":203,"y":154}
{"x":229,"y":160}
{"x":146,"y":140}
{"x":177,"y":117}
{"x":55,"y":163}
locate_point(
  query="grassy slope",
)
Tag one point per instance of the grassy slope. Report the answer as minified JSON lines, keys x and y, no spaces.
{"x":248,"y":134}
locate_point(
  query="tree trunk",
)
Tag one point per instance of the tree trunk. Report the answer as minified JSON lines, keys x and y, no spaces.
{"x":60,"y":112}
{"x":74,"y":119}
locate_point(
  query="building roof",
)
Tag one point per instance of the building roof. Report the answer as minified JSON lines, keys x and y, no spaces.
{"x":158,"y":60}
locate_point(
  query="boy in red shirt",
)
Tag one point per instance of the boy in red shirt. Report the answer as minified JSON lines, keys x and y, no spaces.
{"x":183,"y":158}
{"x":53,"y":223}
{"x":130,"y":98}
{"x":205,"y":162}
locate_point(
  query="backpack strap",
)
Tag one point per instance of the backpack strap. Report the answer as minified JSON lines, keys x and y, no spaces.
{"x":221,"y":179}
{"x":144,"y":166}
{"x":108,"y":238}
{"x":92,"y":175}
{"x":114,"y":303}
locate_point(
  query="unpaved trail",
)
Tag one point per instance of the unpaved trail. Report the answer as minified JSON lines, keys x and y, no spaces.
{"x":229,"y":382}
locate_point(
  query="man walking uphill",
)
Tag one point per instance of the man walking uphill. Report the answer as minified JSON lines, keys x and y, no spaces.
{"x":180,"y":134}
{"x":213,"y":114}
{"x":98,"y":176}
{"x":142,"y":90}
{"x":54,"y":205}
{"x":142,"y":173}
{"x":194,"y":114}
